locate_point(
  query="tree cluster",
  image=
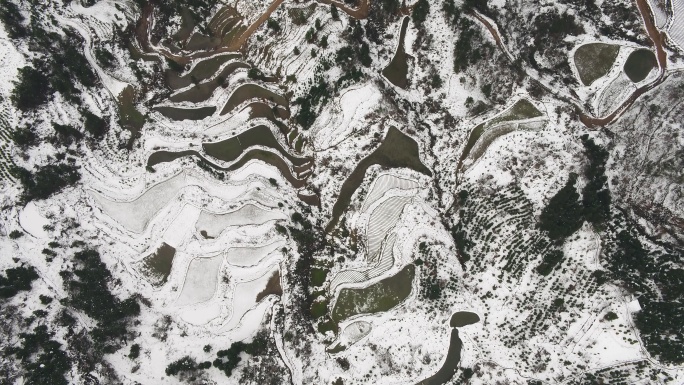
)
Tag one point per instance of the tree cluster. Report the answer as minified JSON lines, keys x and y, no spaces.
{"x":88,"y":288}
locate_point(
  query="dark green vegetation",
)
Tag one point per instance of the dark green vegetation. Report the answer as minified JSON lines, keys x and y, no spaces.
{"x":378,"y":297}
{"x":595,"y":195}
{"x":564,"y":213}
{"x":17,"y":279}
{"x":397,"y":70}
{"x":466,"y":53}
{"x":420,"y":12}
{"x":157,"y":265}
{"x":318,"y":276}
{"x":262,"y":367}
{"x":12,"y":19}
{"x":59,"y":67}
{"x":550,"y":260}
{"x":397,"y":150}
{"x":430,"y":286}
{"x":88,"y":289}
{"x":94,"y":124}
{"x":177,"y":113}
{"x":639,"y":63}
{"x":478,"y":227}
{"x":658,"y":280}
{"x":463,"y":318}
{"x":46,"y":180}
{"x":623,"y":374}
{"x":66,"y":134}
{"x":42,"y":358}
{"x":549,"y":31}
{"x":318,"y":95}
{"x":594,"y":60}
{"x":309,"y":239}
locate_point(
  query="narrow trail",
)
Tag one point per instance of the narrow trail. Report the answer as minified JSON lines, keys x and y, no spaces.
{"x":656,"y":36}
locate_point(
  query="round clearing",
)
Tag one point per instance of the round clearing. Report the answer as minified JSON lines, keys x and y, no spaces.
{"x":639,"y":64}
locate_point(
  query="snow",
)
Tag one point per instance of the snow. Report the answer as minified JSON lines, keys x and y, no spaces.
{"x":338,"y":123}
{"x":182,"y":227}
{"x":244,"y":299}
{"x":201,"y":280}
{"x":31,"y":220}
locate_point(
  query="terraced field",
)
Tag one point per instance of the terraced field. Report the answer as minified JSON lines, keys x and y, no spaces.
{"x":594,"y":60}
{"x":397,"y":150}
{"x":379,"y":297}
{"x":6,"y":143}
{"x":507,"y":121}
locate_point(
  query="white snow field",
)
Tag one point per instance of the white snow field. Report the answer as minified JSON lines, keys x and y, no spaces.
{"x":251,"y":256}
{"x":384,"y":183}
{"x":213,"y":224}
{"x":32,"y":221}
{"x":383,"y":218}
{"x":339,"y":123}
{"x":201,"y":280}
{"x":181,"y":228}
{"x":351,"y":334}
{"x":244,"y":296}
{"x":136,"y":214}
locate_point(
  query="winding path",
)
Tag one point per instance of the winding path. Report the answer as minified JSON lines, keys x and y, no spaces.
{"x":656,"y":36}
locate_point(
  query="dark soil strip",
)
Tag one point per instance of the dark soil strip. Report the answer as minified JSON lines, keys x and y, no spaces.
{"x":272,"y":287}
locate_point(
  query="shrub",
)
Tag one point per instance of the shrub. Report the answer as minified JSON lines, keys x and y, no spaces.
{"x":135,"y":351}
{"x":549,"y":262}
{"x":15,"y":234}
{"x":12,"y":19}
{"x":24,"y":137}
{"x":273,"y":24}
{"x":451,"y":12}
{"x":420,"y":12}
{"x":44,"y":360}
{"x":595,"y":195}
{"x":105,"y":57}
{"x":344,"y":55}
{"x":364,"y":55}
{"x":17,"y":279}
{"x":563,"y":215}
{"x":89,"y":292}
{"x":66,"y":134}
{"x":31,"y":90}
{"x":610,"y":316}
{"x":94,"y":124}
{"x":185,"y":364}
{"x":47,"y":180}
